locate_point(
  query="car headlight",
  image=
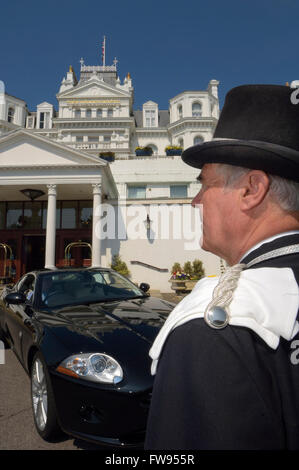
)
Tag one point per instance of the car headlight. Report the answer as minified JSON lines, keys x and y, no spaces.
{"x":95,"y":367}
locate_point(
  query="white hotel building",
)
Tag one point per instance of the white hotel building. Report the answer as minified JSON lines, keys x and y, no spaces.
{"x":63,"y":153}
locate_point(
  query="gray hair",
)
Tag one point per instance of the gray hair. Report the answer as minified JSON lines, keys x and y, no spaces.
{"x":284,"y":192}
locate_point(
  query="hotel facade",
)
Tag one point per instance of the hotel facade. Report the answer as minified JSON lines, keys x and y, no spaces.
{"x":94,"y":177}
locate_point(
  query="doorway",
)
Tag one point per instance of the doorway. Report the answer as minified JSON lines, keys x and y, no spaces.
{"x":33,"y":252}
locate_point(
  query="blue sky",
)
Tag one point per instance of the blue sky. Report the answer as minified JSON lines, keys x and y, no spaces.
{"x":168,"y":46}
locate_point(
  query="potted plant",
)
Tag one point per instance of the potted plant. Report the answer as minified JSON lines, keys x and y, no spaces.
{"x":183,"y":280}
{"x":108,"y":156}
{"x":178,"y":278}
{"x":196,"y":271}
{"x":143,"y":151}
{"x":171,"y":150}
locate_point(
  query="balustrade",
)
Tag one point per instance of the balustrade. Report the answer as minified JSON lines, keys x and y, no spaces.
{"x":99,"y":146}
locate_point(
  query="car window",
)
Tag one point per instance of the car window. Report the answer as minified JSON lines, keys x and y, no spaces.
{"x":99,"y":277}
{"x":27,"y":285}
{"x":86,"y":286}
{"x":19,"y":283}
{"x":116,"y":280}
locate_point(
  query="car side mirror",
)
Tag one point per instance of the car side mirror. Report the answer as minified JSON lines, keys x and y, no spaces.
{"x":15,"y":298}
{"x":144,"y":287}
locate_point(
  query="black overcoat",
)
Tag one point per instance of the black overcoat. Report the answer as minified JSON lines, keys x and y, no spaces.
{"x":227,"y":389}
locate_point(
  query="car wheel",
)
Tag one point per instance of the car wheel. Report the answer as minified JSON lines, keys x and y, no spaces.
{"x":43,"y":404}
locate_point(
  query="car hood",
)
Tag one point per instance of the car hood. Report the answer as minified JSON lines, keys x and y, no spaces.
{"x":124,"y":330}
{"x":109,"y":322}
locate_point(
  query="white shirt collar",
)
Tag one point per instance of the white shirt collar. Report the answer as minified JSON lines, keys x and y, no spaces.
{"x":259,"y":300}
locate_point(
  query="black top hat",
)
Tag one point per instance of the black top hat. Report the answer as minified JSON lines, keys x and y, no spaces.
{"x":258,"y":128}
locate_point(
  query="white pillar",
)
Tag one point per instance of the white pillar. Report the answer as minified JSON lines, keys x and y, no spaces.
{"x":51,"y":227}
{"x":96,"y":217}
{"x":2,"y":102}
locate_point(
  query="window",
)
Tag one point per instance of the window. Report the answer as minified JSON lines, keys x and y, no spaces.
{"x":107,"y":138}
{"x":181,"y":143}
{"x":11,"y":113}
{"x":150,"y":118}
{"x":77,"y":113}
{"x":2,"y":215}
{"x":93,"y":139}
{"x":136,"y":192}
{"x":154,"y":148}
{"x":88,"y":113}
{"x":180,"y":111}
{"x":79,"y":138}
{"x":69,"y":212}
{"x":178,"y":191}
{"x":32,"y":215}
{"x":30,"y":122}
{"x":85,"y":215}
{"x":44,"y":120}
{"x":27,"y":286}
{"x":110,"y":113}
{"x":196,"y":110}
{"x":14,"y":215}
{"x":197,"y":140}
{"x":99,"y":113}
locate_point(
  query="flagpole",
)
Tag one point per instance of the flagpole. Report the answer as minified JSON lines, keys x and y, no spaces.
{"x":104,"y":51}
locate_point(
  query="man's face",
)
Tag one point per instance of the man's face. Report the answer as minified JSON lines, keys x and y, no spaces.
{"x":220,"y":216}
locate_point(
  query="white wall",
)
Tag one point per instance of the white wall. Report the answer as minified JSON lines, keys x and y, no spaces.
{"x":163,"y":254}
{"x":154,"y":171}
{"x":181,"y":243}
{"x":169,"y":240}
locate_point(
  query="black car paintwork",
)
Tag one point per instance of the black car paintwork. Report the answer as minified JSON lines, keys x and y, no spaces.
{"x":124,"y":329}
{"x":98,"y":329}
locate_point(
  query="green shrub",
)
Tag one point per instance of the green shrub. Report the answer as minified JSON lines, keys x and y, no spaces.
{"x":197,"y":269}
{"x":193,"y":271}
{"x":176,"y":268}
{"x":188,"y":268}
{"x":120,"y":266}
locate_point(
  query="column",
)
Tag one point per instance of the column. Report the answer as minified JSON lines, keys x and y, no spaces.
{"x":96,"y":217}
{"x":51,"y":227}
{"x":2,"y":102}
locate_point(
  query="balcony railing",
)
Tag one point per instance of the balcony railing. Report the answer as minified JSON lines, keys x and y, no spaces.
{"x":98,"y":68}
{"x":98,"y":146}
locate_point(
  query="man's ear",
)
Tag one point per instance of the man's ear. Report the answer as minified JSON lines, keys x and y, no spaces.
{"x":253,"y":189}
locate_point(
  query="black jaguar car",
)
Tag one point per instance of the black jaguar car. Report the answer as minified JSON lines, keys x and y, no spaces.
{"x":83,"y":336}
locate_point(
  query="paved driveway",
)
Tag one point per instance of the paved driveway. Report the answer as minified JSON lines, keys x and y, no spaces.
{"x":17,"y":431}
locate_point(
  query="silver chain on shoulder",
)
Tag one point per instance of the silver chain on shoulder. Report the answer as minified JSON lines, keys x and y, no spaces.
{"x":286,"y":250}
{"x":216,"y":313}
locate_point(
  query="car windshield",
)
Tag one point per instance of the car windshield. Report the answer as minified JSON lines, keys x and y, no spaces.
{"x":64,"y":288}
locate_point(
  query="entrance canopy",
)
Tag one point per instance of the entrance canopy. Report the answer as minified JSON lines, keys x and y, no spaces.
{"x":27,"y":158}
{"x":72,"y":186}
